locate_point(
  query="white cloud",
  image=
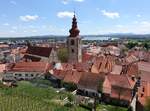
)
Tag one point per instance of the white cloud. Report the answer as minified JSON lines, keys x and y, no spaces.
{"x":143,"y":28}
{"x":13,"y":2}
{"x":28,"y":18}
{"x":119,"y":26}
{"x":65,"y":14}
{"x":34,"y":31}
{"x":14,"y":28}
{"x":65,"y":2}
{"x":111,"y":15}
{"x":6,"y":24}
{"x":138,"y":15}
{"x":145,"y":23}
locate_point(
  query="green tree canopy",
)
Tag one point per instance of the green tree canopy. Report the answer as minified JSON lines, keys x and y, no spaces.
{"x":63,"y":55}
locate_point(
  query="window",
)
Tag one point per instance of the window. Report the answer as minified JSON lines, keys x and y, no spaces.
{"x":26,"y":75}
{"x":16,"y":74}
{"x":72,"y":50}
{"x":93,"y":94}
{"x":72,"y":42}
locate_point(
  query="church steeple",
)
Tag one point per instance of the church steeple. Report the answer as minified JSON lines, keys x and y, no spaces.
{"x":74,"y":31}
{"x":74,"y":43}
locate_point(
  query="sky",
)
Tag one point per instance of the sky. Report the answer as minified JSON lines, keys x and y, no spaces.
{"x":19,"y":18}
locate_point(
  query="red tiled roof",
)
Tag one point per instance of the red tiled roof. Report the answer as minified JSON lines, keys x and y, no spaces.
{"x":104,"y":64}
{"x":141,"y":54}
{"x":2,"y":67}
{"x":59,"y":74}
{"x":131,"y":59}
{"x":90,"y":80}
{"x":117,"y":69}
{"x":4,"y":46}
{"x":68,"y":76}
{"x":121,"y":93}
{"x":120,"y":80}
{"x":82,"y":67}
{"x":118,"y":86}
{"x":30,"y":67}
{"x":97,"y":64}
{"x":72,"y":77}
{"x":67,"y":66}
{"x":145,"y":76}
{"x":40,"y":51}
{"x":132,"y":69}
{"x":86,"y":57}
{"x":144,"y":66}
{"x":32,"y":58}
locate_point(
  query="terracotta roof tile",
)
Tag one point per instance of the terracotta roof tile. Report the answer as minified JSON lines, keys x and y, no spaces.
{"x":117,"y":69}
{"x":132,"y":69}
{"x":59,"y":74}
{"x":86,"y":57}
{"x":120,"y":80}
{"x":104,"y":64}
{"x":90,"y":81}
{"x":2,"y":67}
{"x":118,"y":86}
{"x":32,"y":58}
{"x":67,"y":66}
{"x":131,"y":59}
{"x":40,"y":51}
{"x":30,"y":67}
{"x":72,"y":77}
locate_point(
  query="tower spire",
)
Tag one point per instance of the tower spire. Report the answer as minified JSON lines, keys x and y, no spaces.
{"x":74,"y":43}
{"x":74,"y":31}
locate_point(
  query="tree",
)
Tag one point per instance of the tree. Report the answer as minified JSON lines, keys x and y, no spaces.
{"x":130,"y":45}
{"x":63,"y":55}
{"x":146,"y":45}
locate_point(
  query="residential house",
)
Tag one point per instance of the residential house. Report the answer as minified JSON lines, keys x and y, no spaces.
{"x":37,"y":53}
{"x":118,"y":89}
{"x":27,"y":70}
{"x":90,"y":84}
{"x":144,"y":88}
{"x":66,"y":76}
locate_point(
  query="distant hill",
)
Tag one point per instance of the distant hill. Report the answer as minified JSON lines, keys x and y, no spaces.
{"x":113,"y":35}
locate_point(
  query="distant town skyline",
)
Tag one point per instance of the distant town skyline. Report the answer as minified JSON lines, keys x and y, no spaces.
{"x":54,"y":17}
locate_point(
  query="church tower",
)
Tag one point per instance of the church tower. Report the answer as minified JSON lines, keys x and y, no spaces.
{"x":74,"y":43}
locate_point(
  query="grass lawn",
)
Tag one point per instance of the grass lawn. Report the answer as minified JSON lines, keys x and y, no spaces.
{"x":27,"y":97}
{"x":110,"y":108}
{"x":30,"y":97}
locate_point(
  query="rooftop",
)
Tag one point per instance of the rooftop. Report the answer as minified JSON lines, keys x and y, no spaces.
{"x":30,"y":67}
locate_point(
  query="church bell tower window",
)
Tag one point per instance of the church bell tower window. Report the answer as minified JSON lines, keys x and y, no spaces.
{"x":72,"y":42}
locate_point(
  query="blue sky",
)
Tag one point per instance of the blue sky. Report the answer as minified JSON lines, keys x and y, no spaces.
{"x":45,"y":17}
